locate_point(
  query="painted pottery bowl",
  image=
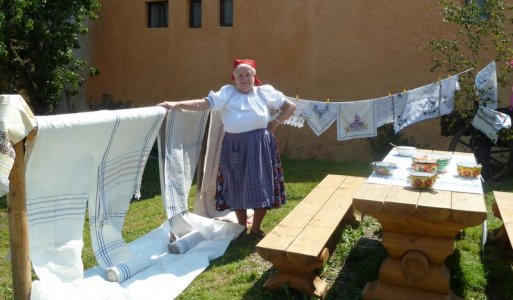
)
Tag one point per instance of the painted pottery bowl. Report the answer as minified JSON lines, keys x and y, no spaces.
{"x":424,"y":165}
{"x":383,"y":167}
{"x":406,"y":150}
{"x":442,"y":161}
{"x":422,"y":179}
{"x":468,"y":169}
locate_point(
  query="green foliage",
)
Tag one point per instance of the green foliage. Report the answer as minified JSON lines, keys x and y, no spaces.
{"x":107,"y":101}
{"x":37,"y":39}
{"x":480,"y":36}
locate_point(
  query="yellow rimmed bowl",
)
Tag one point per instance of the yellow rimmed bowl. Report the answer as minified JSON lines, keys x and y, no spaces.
{"x":468,"y":169}
{"x":383,"y":167}
{"x":422,"y":179}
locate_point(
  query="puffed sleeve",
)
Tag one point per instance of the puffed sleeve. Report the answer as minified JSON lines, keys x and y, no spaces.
{"x":272,"y":96}
{"x":218,"y":100}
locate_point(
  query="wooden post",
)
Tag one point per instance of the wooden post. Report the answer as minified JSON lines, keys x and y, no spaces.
{"x":18,"y":227}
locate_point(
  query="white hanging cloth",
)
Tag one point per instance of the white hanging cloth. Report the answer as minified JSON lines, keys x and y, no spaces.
{"x":384,"y":110}
{"x":321,"y":115}
{"x":486,"y":86}
{"x":416,"y":105}
{"x":490,"y":121}
{"x":356,"y":120}
{"x":448,"y":88}
{"x":16,"y":121}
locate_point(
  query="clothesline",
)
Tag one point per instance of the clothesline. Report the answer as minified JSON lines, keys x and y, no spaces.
{"x":361,"y":118}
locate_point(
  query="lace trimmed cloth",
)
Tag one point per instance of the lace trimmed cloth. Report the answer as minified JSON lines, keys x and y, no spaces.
{"x":16,"y":121}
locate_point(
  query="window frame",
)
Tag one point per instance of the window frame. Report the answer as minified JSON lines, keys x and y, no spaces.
{"x":195,"y":13}
{"x":223,"y":15}
{"x":162,"y":7}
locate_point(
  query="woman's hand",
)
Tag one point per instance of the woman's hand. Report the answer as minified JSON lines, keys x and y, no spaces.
{"x":167,"y":104}
{"x":273,"y":125}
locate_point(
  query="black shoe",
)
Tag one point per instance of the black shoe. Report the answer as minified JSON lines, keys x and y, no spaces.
{"x":259,"y":235}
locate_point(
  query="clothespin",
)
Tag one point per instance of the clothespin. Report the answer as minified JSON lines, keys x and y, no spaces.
{"x":297,"y":97}
{"x":404,"y":90}
{"x":328,"y":100}
{"x":389,"y":94}
{"x":448,"y":75}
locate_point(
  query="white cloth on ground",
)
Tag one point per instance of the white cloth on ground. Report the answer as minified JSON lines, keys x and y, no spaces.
{"x":490,"y":121}
{"x":321,"y":115}
{"x":356,"y":120}
{"x":185,"y":243}
{"x":486,"y":86}
{"x":16,"y":121}
{"x":416,"y":105}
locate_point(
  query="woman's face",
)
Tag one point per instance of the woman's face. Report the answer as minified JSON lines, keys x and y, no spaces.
{"x":244,"y":79}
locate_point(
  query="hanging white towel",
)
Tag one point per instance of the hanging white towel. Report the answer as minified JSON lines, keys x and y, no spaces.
{"x":416,"y":105}
{"x":179,"y":149}
{"x":321,"y":115}
{"x":16,"y":121}
{"x":489,"y":122}
{"x":448,"y":89}
{"x":356,"y":120}
{"x":384,"y":110}
{"x":119,"y":179}
{"x":61,"y":174}
{"x":486,"y":86}
{"x":185,"y":243}
{"x":300,"y":115}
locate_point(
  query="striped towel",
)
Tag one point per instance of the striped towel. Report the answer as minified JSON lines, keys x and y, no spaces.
{"x":185,"y":243}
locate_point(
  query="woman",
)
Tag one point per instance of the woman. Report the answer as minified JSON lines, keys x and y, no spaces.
{"x":249,"y":169}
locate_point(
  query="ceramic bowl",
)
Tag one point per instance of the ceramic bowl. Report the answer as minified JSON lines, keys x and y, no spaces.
{"x":422,"y":179}
{"x":383,"y":167}
{"x":468,"y":169}
{"x":406,"y":150}
{"x":428,"y":165}
{"x":442,"y":161}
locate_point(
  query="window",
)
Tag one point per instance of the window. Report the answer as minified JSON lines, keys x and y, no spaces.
{"x":195,"y":13}
{"x":157,"y":14}
{"x":480,"y":6}
{"x":226,"y":13}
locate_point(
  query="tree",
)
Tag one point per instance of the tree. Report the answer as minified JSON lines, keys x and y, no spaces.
{"x":480,"y":36}
{"x":37,"y":38}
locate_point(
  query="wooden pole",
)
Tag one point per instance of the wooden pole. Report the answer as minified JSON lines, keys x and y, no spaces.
{"x":18,"y":227}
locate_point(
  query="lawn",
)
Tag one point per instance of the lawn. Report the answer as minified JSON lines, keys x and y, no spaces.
{"x":240,"y":273}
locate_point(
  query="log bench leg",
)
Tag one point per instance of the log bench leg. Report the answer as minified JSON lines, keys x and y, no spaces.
{"x":498,"y":235}
{"x":303,"y":278}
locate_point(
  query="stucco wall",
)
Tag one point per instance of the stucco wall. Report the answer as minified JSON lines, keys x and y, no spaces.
{"x":341,"y":50}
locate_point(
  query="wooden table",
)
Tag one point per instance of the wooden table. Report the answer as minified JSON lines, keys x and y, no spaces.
{"x":419,"y":228}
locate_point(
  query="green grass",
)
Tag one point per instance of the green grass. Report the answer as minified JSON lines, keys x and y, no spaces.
{"x":240,"y":273}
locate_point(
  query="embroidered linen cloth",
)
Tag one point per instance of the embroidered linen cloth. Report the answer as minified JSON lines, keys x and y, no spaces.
{"x":448,"y":88}
{"x":490,"y":121}
{"x":449,"y":181}
{"x":61,"y":175}
{"x":356,"y":120}
{"x":486,"y":86}
{"x":16,"y":121}
{"x":300,"y":115}
{"x":321,"y":115}
{"x":416,"y":105}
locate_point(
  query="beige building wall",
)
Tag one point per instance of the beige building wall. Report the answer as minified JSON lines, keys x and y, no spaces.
{"x":341,"y":50}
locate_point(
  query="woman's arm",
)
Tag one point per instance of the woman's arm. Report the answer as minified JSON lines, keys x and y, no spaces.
{"x":286,"y":111}
{"x":195,"y":105}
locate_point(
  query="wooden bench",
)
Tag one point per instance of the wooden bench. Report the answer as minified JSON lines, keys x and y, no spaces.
{"x":304,"y":240}
{"x":503,"y":209}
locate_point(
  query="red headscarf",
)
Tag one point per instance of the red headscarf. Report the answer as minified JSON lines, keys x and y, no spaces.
{"x":248,"y":62}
